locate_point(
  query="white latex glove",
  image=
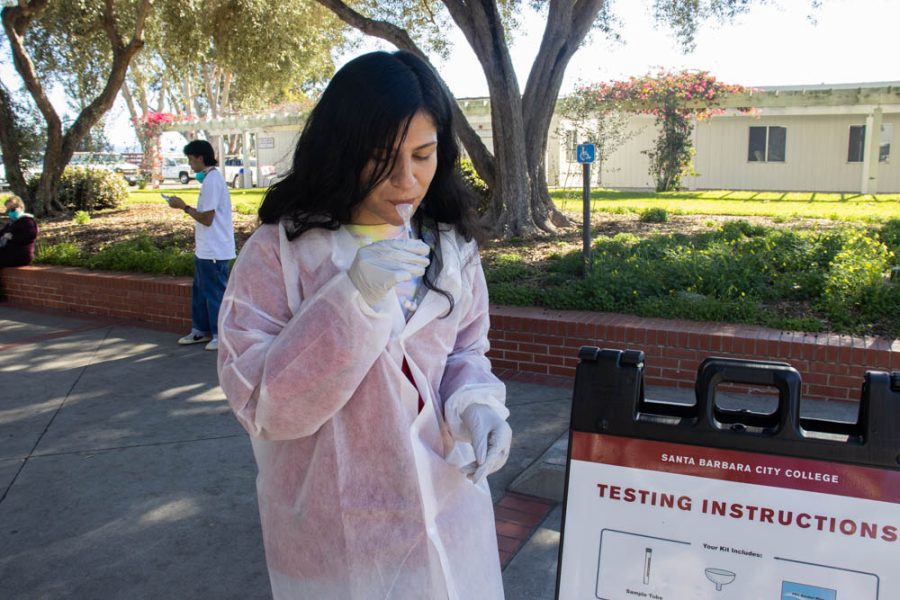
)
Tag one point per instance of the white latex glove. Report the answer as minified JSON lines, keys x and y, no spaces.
{"x":491,"y":439}
{"x":380,"y":266}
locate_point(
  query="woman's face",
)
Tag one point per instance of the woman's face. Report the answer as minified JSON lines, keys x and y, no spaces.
{"x":408,"y":181}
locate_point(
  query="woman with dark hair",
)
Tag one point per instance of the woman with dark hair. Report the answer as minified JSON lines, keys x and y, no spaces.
{"x":352,"y":349}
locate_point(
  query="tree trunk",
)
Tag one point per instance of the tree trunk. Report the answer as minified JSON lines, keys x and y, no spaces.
{"x":11,"y":146}
{"x":567,"y":25}
{"x":136,"y":114}
{"x":60,"y":147}
{"x":510,"y":212}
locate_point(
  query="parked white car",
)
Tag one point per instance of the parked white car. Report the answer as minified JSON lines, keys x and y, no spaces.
{"x":3,"y":183}
{"x":177,"y":167}
{"x":110,"y":161}
{"x":233,"y":169}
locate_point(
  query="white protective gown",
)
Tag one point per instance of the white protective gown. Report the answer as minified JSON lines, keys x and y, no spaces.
{"x":360,"y":495}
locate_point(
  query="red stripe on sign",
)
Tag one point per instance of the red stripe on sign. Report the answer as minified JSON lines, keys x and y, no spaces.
{"x":734,"y":465}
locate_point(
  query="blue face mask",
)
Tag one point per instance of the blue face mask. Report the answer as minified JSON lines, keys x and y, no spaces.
{"x":14,"y":214}
{"x":200,"y":176}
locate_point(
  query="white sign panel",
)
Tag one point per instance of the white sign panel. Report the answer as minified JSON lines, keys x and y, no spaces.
{"x":664,"y":521}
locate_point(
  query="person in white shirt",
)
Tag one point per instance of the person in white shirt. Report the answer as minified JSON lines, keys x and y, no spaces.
{"x":214,"y":243}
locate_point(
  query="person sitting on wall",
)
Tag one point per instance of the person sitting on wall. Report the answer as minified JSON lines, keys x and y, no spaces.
{"x":18,"y":235}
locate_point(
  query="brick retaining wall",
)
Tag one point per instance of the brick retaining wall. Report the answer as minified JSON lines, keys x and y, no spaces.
{"x":159,"y":300}
{"x":527,"y":343}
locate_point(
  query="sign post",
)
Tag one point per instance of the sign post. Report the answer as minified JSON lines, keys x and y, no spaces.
{"x":713,"y":500}
{"x":585,"y":154}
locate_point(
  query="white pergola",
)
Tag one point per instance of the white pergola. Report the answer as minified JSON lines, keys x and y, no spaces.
{"x":244,"y":125}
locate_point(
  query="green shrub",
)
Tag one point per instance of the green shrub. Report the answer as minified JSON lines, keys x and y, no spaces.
{"x":476,"y":184}
{"x":141,"y":254}
{"x":81,"y":217}
{"x":739,"y":273}
{"x":81,"y":188}
{"x":855,"y":283}
{"x":87,"y":189}
{"x":699,"y":307}
{"x":514,"y":294}
{"x":567,"y":266}
{"x":507,"y":268}
{"x":654,"y":215}
{"x":66,"y":254}
{"x":734,"y":230}
{"x":890,"y":234}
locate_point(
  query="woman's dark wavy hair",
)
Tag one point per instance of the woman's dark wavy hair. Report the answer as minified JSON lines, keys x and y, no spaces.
{"x":363,"y":111}
{"x":366,"y":106}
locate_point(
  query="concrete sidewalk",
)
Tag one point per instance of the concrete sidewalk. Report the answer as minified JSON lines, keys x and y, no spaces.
{"x":123,"y":473}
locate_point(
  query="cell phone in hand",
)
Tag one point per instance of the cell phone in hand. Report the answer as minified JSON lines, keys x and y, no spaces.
{"x":167,"y":198}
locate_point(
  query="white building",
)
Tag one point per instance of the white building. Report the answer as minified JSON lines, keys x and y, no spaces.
{"x":810,"y":138}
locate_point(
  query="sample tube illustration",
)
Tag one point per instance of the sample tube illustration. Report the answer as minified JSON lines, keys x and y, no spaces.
{"x":648,"y":555}
{"x":720,"y":577}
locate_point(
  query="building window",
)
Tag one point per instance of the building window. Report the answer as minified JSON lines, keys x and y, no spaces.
{"x":884,"y":144}
{"x":571,"y":145}
{"x":856,"y":150}
{"x":857,"y":142}
{"x":767,"y":144}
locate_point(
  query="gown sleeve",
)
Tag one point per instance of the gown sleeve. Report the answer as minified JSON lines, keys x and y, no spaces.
{"x":285,"y":374}
{"x":467,"y":376}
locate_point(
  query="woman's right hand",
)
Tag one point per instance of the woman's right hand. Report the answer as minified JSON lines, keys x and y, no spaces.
{"x":380,"y":266}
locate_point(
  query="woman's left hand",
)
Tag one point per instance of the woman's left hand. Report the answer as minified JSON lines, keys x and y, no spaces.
{"x":491,"y":439}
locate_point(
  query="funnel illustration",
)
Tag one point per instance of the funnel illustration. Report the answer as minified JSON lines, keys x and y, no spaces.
{"x":719,"y":577}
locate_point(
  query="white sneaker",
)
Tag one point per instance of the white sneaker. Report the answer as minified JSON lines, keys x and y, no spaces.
{"x":193,"y":339}
{"x":213,"y":344}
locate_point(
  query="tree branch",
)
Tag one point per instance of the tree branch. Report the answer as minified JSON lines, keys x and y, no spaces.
{"x":122,"y":55}
{"x":16,"y":21}
{"x":108,"y":21}
{"x":568,"y":23}
{"x":10,"y":146}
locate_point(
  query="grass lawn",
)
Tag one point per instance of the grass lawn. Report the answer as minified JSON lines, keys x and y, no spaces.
{"x":779,"y":205}
{"x":245,"y":202}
